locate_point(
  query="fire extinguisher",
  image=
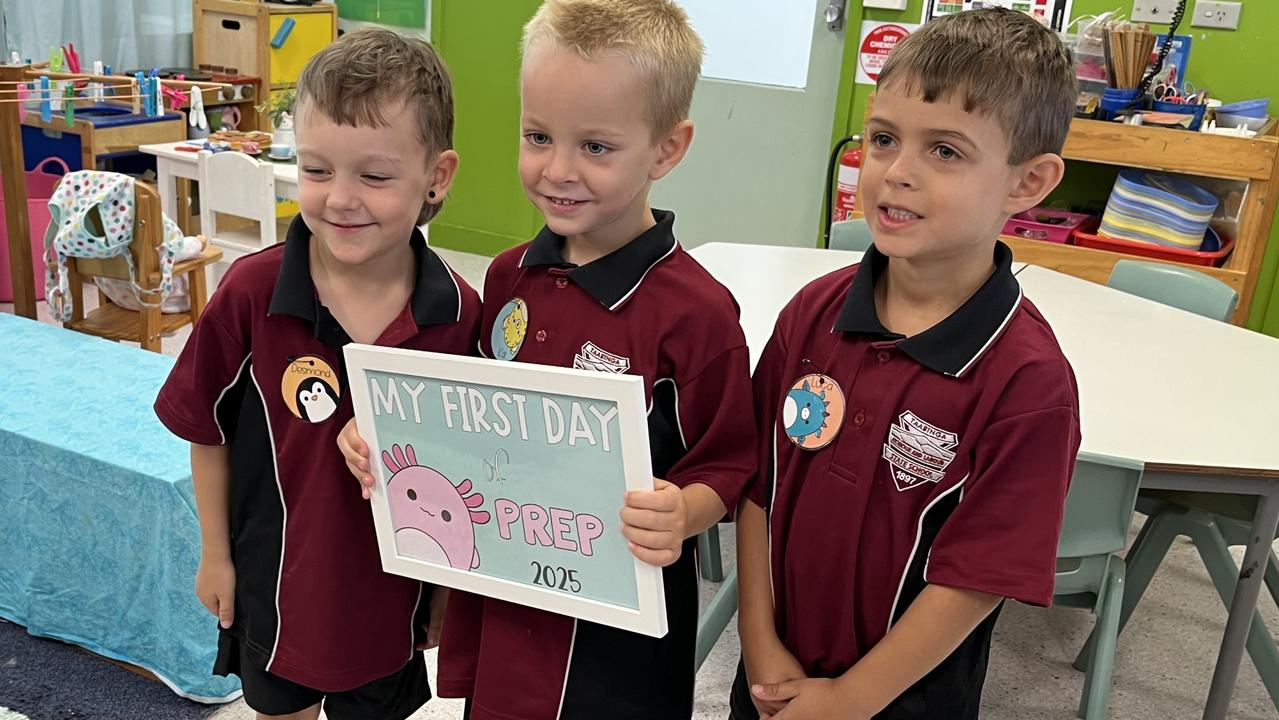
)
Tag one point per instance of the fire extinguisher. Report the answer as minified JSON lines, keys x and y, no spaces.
{"x":850,"y":166}
{"x":838,"y":203}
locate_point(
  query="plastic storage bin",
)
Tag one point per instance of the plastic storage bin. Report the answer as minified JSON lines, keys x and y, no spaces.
{"x":1049,"y":225}
{"x":40,"y":185}
{"x":1196,"y":111}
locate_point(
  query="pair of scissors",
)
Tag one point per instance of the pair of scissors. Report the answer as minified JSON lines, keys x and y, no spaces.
{"x":1169,"y":93}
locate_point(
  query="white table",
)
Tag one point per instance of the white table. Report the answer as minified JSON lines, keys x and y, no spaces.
{"x":1196,"y":401}
{"x":763,"y":278}
{"x":172,"y":164}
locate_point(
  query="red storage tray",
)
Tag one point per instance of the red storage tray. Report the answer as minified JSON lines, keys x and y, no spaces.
{"x":1206,"y":258}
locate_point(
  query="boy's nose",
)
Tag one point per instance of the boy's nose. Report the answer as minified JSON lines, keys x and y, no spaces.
{"x":901,"y":171}
{"x":341,"y":196}
{"x":560,"y":168}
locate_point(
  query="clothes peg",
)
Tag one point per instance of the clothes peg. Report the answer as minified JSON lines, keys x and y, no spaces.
{"x":68,"y":108}
{"x":97,"y":67}
{"x":56,"y":102}
{"x":46,"y":107}
{"x":15,"y":58}
{"x":106,"y":69}
{"x":139,"y":92}
{"x":155,"y":100}
{"x":73,"y":57}
{"x":195,"y":116}
{"x":55,"y":59}
{"x":23,"y":93}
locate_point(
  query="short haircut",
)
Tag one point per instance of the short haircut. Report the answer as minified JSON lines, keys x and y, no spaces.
{"x":999,"y":63}
{"x":354,"y":80}
{"x":653,"y":35}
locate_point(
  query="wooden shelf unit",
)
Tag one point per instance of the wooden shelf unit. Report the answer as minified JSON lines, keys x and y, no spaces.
{"x":1254,"y":161}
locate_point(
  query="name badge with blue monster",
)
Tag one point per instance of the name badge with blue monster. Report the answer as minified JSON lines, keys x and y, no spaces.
{"x":813,"y":412}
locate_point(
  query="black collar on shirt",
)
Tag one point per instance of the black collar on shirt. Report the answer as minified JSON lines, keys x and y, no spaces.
{"x":953,"y":345}
{"x":613,"y":278}
{"x":436,"y":298}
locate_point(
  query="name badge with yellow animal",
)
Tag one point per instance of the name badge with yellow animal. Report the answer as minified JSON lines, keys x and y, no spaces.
{"x":509,"y":329}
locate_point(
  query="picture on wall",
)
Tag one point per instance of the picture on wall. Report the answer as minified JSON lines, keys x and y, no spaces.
{"x":507,"y":479}
{"x":1053,"y":13}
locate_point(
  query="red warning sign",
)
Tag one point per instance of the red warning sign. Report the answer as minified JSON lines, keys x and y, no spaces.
{"x":878,"y":40}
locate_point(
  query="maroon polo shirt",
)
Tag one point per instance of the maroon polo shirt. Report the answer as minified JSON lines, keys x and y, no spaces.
{"x":944,"y":459}
{"x":647,"y":309}
{"x":263,"y":373}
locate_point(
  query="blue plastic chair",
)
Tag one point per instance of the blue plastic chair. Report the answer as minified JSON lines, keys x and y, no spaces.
{"x":1213,"y":522}
{"x":850,"y":235}
{"x":1180,"y":287}
{"x":1089,"y":574}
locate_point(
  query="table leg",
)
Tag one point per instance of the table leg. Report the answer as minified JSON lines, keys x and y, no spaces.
{"x":166,"y":183}
{"x":182,"y":206}
{"x":1243,"y":605}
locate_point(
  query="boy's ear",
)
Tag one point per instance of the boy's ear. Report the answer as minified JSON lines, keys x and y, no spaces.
{"x":671,"y":149}
{"x":442,"y":174}
{"x":1035,"y":178}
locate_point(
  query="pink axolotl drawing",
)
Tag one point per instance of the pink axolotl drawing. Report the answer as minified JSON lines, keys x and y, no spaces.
{"x":433,"y":520}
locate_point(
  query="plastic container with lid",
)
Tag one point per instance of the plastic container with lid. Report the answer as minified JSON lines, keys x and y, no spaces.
{"x":1258,"y":108}
{"x":1228,"y":120}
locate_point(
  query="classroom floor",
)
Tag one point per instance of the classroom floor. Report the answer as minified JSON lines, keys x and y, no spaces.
{"x":1163,"y":665}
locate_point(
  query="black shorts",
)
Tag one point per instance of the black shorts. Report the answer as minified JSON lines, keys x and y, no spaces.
{"x":740,"y":705}
{"x":394,"y":697}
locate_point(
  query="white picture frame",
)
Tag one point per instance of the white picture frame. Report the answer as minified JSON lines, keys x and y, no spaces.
{"x":443,"y":403}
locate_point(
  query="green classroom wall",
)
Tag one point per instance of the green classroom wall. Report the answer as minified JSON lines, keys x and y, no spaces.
{"x":482,"y":53}
{"x":482,"y":50}
{"x":1233,"y":65}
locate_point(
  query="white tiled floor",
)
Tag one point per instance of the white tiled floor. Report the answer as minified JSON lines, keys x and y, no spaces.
{"x":1163,"y":666}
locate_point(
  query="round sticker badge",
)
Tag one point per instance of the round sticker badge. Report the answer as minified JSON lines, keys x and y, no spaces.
{"x":509,"y":329}
{"x":813,"y":412}
{"x":310,"y":388}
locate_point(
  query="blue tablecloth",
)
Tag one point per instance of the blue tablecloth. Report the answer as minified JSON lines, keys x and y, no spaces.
{"x":99,"y":540}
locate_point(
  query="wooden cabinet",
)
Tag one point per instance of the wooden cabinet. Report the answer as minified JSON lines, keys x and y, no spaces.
{"x":238,"y":33}
{"x":1252,"y":161}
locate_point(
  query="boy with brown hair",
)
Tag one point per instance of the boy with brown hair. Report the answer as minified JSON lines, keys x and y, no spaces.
{"x":606,"y":87}
{"x":919,"y":422}
{"x":290,"y":563}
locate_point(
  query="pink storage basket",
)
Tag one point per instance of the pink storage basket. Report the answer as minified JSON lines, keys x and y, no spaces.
{"x":40,"y":187}
{"x":1044,"y":224}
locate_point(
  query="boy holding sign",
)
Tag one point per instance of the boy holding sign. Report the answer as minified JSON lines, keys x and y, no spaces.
{"x":606,"y":87}
{"x":288,"y":548}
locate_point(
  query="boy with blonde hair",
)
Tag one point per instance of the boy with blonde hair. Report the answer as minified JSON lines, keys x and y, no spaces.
{"x":605,"y":88}
{"x":289,"y":553}
{"x":920,"y":422}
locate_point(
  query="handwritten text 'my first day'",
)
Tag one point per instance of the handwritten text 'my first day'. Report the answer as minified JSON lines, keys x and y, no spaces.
{"x":498,"y":411}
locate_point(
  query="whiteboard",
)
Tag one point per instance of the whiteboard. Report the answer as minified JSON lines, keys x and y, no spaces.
{"x":764,"y":42}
